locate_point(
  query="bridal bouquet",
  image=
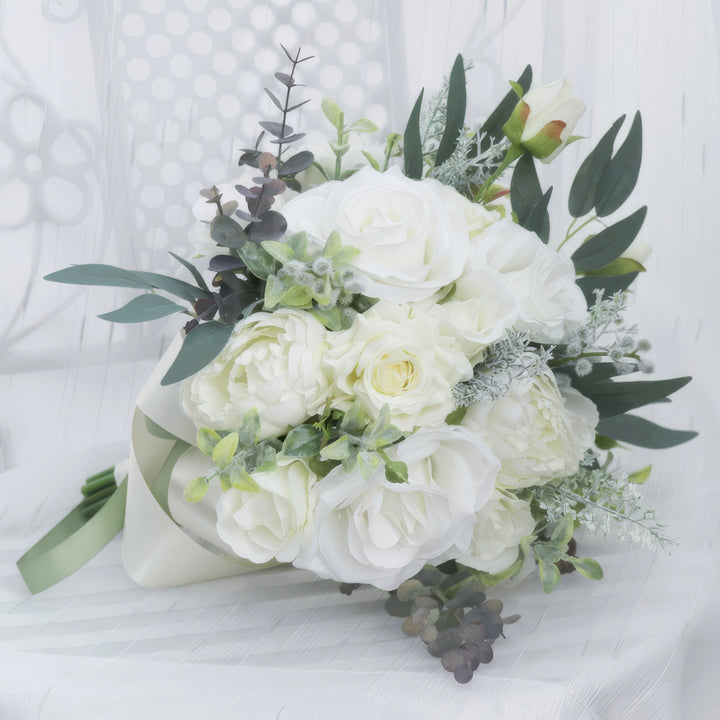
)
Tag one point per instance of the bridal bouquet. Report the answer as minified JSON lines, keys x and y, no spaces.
{"x":391,"y":375}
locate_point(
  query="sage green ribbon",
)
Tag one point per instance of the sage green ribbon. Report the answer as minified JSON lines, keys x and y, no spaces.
{"x":77,"y":538}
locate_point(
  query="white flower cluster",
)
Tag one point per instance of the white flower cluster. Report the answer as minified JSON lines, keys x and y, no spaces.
{"x":452,"y":280}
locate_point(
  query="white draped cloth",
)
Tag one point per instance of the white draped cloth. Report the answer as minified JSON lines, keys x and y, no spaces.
{"x":112,"y":116}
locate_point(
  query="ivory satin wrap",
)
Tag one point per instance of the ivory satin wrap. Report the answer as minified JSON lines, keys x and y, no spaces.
{"x":167,"y":541}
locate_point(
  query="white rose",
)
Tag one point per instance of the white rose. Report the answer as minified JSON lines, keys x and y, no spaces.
{"x":269,"y":524}
{"x":412,"y":237}
{"x":540,"y":279}
{"x":477,"y":216}
{"x":391,"y":356}
{"x":538,"y":432}
{"x":480,"y":312}
{"x":544,"y":119}
{"x":499,"y":527}
{"x":382,"y":533}
{"x":271,"y":362}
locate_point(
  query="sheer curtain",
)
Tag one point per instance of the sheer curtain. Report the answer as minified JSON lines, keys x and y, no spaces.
{"x":114,"y":114}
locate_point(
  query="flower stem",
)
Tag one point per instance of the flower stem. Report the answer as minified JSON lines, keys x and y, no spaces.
{"x":572,"y":232}
{"x":513,"y":153}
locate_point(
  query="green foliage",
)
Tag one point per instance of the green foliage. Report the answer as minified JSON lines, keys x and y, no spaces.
{"x":196,"y":490}
{"x":199,"y":348}
{"x":412,"y":143}
{"x":529,"y":202}
{"x":492,"y":127}
{"x":643,"y":433}
{"x":142,"y":309}
{"x":601,"y":249}
{"x":455,"y":113}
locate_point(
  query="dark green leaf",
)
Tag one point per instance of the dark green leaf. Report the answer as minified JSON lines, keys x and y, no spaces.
{"x":297,"y":163}
{"x":527,"y":198}
{"x":584,"y":187}
{"x":276,"y":102}
{"x":638,"y":431}
{"x":538,"y":221}
{"x":601,"y":249}
{"x":616,"y":398}
{"x":226,"y":232}
{"x":199,"y":348}
{"x":609,"y":283}
{"x":103,"y":275}
{"x":142,"y":309}
{"x":275,"y":128}
{"x":621,"y":173}
{"x":193,"y":271}
{"x":455,"y":115}
{"x":272,"y":226}
{"x":221,"y":263}
{"x":492,"y":127}
{"x":412,"y":142}
{"x":180,"y":288}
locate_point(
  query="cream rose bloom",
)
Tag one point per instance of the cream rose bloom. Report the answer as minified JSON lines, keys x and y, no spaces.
{"x":272,"y":362}
{"x":269,"y":524}
{"x":480,"y":312}
{"x":500,"y":525}
{"x":382,"y":533}
{"x":395,"y":357}
{"x":412,"y":234}
{"x":541,"y":280}
{"x":538,"y":432}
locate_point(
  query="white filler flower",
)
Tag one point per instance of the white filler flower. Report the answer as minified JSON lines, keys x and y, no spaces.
{"x":395,"y":357}
{"x":381,"y":533}
{"x":412,"y":234}
{"x":538,"y":432}
{"x":272,"y":362}
{"x":269,"y":524}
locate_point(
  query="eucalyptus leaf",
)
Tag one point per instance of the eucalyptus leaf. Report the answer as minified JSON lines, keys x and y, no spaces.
{"x":206,"y":440}
{"x":601,"y":249}
{"x":413,"y":143}
{"x":621,"y":173}
{"x":275,"y":100}
{"x":643,"y":433}
{"x":221,"y":263}
{"x":142,"y":309}
{"x":257,"y":259}
{"x":287,"y":139}
{"x":455,"y":114}
{"x":303,"y":441}
{"x":224,"y":451}
{"x":276,"y":129}
{"x":587,"y":567}
{"x":196,"y":490}
{"x":584,"y":187}
{"x":226,"y":232}
{"x":297,"y":163}
{"x":199,"y":348}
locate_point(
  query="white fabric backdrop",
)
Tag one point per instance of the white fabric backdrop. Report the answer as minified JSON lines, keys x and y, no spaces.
{"x":112,"y":116}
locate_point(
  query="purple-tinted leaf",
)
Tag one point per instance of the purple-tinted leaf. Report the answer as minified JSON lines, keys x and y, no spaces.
{"x":297,"y":163}
{"x":272,"y":226}
{"x":246,"y":216}
{"x":248,"y":192}
{"x":225,"y":262}
{"x":276,"y":129}
{"x":262,"y":180}
{"x":275,"y":187}
{"x":249,"y":157}
{"x":261,"y":204}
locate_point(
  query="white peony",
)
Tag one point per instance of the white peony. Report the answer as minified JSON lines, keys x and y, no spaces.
{"x":382,"y":533}
{"x":479,"y":313}
{"x":392,"y":356}
{"x":271,"y":362}
{"x":541,"y":280}
{"x":269,"y":524}
{"x":500,"y":525}
{"x":412,"y":234}
{"x":538,"y":432}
